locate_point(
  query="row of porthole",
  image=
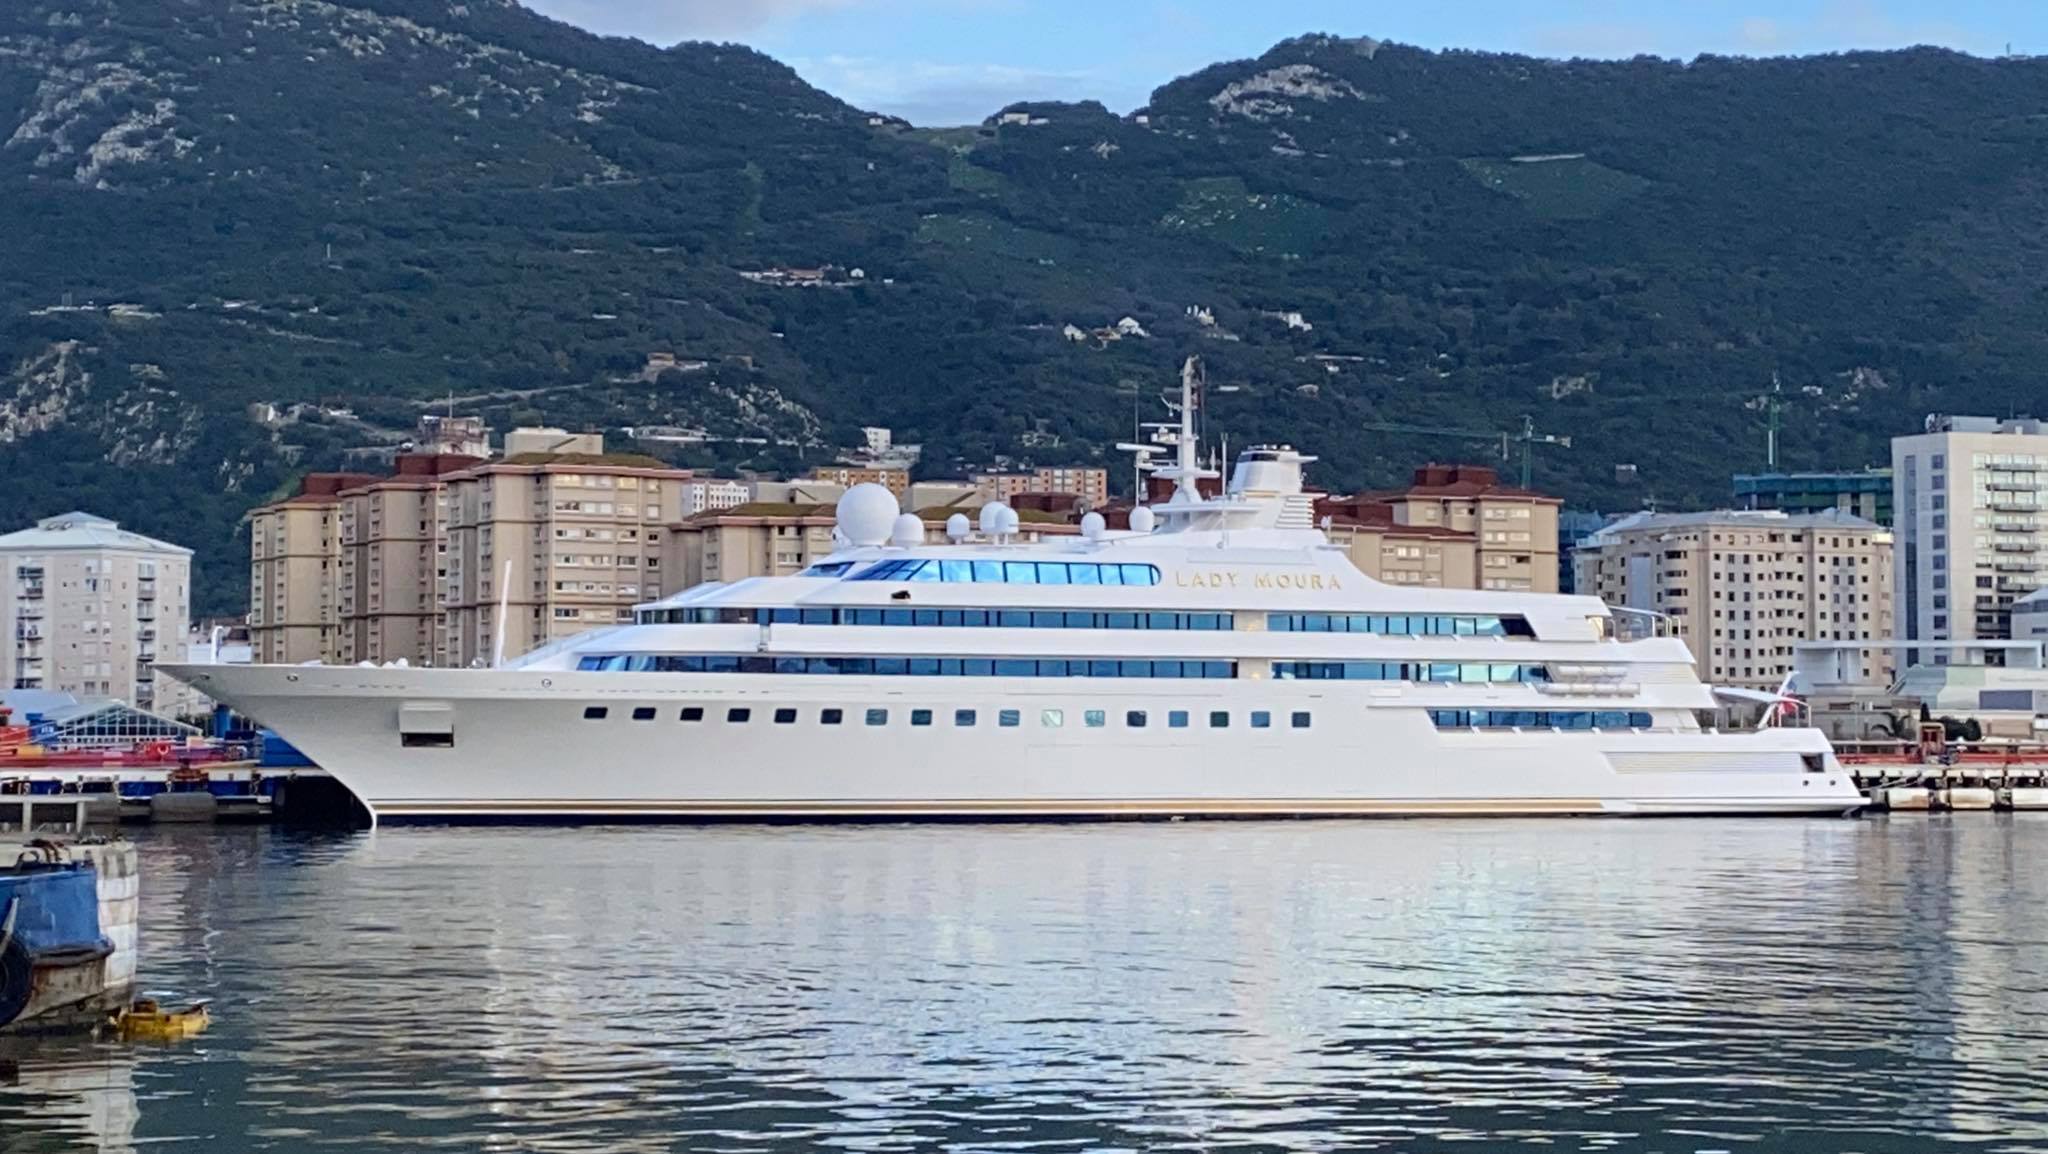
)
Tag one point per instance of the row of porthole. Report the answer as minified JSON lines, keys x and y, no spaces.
{"x":966,"y":718}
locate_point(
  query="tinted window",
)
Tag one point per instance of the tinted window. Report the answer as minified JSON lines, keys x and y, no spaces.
{"x":830,"y":716}
{"x":1009,"y":718}
{"x":920,"y":717}
{"x":1220,"y":719}
{"x":643,"y":713}
{"x":1051,"y":718}
{"x":1095,"y":718}
{"x":691,"y":713}
{"x":785,"y":717}
{"x":1177,"y":719}
{"x":1300,"y":719}
{"x":595,"y":713}
{"x":878,"y":717}
{"x":1261,"y":719}
{"x":963,"y":717}
{"x":739,"y":714}
{"x":1135,"y":719}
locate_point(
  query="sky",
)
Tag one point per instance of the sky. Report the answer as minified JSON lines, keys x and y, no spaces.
{"x":941,"y":62}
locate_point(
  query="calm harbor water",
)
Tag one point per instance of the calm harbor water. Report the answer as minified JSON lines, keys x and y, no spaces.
{"x":1870,"y":985}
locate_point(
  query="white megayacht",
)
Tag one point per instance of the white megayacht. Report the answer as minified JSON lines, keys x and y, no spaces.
{"x":1220,"y":658}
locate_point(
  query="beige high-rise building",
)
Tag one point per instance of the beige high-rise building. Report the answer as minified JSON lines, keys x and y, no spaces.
{"x":409,"y":566}
{"x":1741,"y":588}
{"x":583,"y":535}
{"x":295,"y":570}
{"x":393,"y":544}
{"x":1514,"y":531}
{"x":752,"y":540}
{"x":1089,"y":482}
{"x":89,"y":606}
{"x":891,"y":477}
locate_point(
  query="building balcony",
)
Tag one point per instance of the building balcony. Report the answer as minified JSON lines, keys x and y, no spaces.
{"x":32,"y":591}
{"x":145,"y":590}
{"x":2015,"y":485}
{"x":2006,"y":503}
{"x":2016,"y":547}
{"x":2015,"y":526}
{"x":2017,"y":566}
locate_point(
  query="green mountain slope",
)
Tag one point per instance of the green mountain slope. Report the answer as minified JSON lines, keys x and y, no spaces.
{"x":244,"y":238}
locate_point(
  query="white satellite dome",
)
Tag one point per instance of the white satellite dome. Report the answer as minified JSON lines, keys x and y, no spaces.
{"x":909,"y":529}
{"x":865,"y":513}
{"x":990,"y":519}
{"x":1141,"y":520}
{"x":1011,"y":521}
{"x":958,"y":527}
{"x":1092,"y":525}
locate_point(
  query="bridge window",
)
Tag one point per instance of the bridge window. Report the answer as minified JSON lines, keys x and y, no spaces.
{"x":1539,"y":719}
{"x":1418,"y":671}
{"x":960,"y":666}
{"x":1400,"y":624}
{"x":1011,"y":572}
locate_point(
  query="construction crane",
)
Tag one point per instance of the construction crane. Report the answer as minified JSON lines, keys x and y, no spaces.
{"x":1528,"y":438}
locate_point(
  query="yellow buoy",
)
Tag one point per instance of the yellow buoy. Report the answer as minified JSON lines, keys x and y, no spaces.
{"x":147,"y":1021}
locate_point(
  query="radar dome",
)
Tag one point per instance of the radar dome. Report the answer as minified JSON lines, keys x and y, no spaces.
{"x":990,"y":519}
{"x":1092,"y":525}
{"x":1141,"y":520}
{"x":909,"y":529}
{"x":958,"y":527}
{"x":1011,"y":521}
{"x":865,"y":514}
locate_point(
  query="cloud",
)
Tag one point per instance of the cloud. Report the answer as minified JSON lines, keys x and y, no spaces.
{"x":667,"y":21}
{"x":932,"y":93}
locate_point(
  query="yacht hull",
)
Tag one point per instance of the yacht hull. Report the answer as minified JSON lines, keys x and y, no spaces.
{"x":438,"y":745}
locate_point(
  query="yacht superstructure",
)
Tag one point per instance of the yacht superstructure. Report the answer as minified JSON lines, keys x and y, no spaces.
{"x":1219,"y":658}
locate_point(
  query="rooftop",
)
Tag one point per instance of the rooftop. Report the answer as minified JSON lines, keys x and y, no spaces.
{"x":1776,"y":519}
{"x":84,"y":531}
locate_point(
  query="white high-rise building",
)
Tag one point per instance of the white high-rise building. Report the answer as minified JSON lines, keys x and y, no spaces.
{"x":86,"y":607}
{"x":1967,"y":496}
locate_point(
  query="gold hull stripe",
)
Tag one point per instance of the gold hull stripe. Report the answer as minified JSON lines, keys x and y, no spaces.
{"x":1010,"y":806}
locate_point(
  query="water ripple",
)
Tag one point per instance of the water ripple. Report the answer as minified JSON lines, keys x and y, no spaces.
{"x":1658,"y":986}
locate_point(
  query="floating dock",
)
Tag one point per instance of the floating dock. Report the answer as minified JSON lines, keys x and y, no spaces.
{"x":1956,"y":779}
{"x":32,"y":799}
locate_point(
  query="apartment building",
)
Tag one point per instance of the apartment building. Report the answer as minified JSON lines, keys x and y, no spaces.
{"x":1867,"y":493}
{"x":758,"y":539}
{"x":1429,"y":556}
{"x":1088,"y":482}
{"x":1513,"y":531}
{"x":1972,"y":536}
{"x":894,"y":478}
{"x":581,"y":536}
{"x":88,"y":606}
{"x":294,"y":569}
{"x":411,"y":566}
{"x":708,"y":494}
{"x":1743,"y":587}
{"x":394,"y":542}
